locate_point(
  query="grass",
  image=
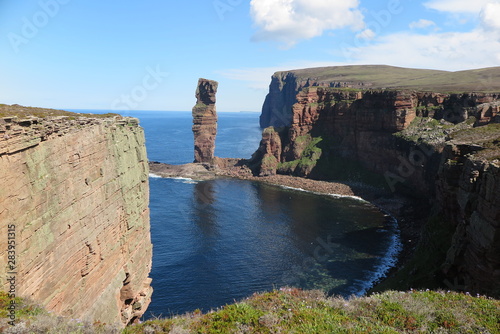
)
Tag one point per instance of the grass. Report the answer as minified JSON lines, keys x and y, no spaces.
{"x":23,"y":308}
{"x":311,"y":154}
{"x":487,"y":136}
{"x":427,"y":130}
{"x":32,"y":318}
{"x":390,"y":77}
{"x":308,"y":158}
{"x":269,"y":162}
{"x":288,"y":167}
{"x":291,"y":310}
{"x":200,"y":105}
{"x":23,"y":112}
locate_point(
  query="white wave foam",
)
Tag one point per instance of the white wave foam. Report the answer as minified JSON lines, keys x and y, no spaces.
{"x":186,"y":180}
{"x":357,"y":198}
{"x":387,"y":261}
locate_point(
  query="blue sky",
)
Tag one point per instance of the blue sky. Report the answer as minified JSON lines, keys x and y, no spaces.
{"x":149,"y":54}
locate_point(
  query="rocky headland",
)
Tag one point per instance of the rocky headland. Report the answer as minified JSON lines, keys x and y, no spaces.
{"x":400,"y":139}
{"x":422,"y":145}
{"x":74,"y":206}
{"x":405,"y":131}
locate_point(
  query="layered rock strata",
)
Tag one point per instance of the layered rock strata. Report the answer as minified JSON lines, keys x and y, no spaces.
{"x":268,"y":155}
{"x":440,"y":147}
{"x":75,"y":193}
{"x":282,"y":94}
{"x":286,"y":85}
{"x":205,"y":121}
{"x":468,"y":185}
{"x":360,"y":125}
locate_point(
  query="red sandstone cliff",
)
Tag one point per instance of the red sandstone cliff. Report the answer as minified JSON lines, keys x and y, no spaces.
{"x":75,"y":194}
{"x":205,"y":121}
{"x":360,"y":124}
{"x":286,"y":85}
{"x":409,"y":138}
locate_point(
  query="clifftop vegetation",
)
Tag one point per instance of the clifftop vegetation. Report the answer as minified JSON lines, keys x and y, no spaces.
{"x":295,"y":311}
{"x":22,"y":112}
{"x":484,"y":80}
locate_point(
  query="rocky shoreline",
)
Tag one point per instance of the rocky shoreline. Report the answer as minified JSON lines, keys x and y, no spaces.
{"x":410,"y":215}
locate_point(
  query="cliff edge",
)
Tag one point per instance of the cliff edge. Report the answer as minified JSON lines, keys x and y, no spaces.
{"x":432,"y":135}
{"x":285,"y":85}
{"x":74,"y":210}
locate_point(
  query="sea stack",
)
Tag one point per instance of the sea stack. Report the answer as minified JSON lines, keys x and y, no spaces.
{"x":205,"y":121}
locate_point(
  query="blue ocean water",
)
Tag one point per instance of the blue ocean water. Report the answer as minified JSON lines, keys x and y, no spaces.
{"x":169,"y":137}
{"x":218,"y":241}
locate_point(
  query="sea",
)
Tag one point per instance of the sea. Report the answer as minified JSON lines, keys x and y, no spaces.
{"x":216,"y":242}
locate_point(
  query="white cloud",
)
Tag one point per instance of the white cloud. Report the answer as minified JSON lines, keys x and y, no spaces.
{"x":457,"y":6}
{"x":430,"y":49}
{"x":422,"y":24}
{"x":490,"y":16}
{"x":289,"y":21}
{"x":444,"y":51}
{"x":366,"y":34}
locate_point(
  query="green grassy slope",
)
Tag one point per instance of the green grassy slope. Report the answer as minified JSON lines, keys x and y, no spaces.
{"x":295,"y":311}
{"x":22,"y":111}
{"x":390,"y":77}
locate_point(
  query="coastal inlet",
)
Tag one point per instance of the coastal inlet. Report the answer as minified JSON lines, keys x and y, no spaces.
{"x":221,"y":240}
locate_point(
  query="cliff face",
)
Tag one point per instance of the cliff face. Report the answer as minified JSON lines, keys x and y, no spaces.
{"x":286,"y":85}
{"x":75,"y":193}
{"x":468,"y":185}
{"x":282,"y":94}
{"x":205,"y":121}
{"x":361,"y":125}
{"x":268,"y":156}
{"x":432,"y":144}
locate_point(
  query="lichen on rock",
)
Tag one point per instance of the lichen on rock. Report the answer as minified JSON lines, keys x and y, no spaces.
{"x":77,"y":191}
